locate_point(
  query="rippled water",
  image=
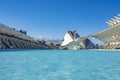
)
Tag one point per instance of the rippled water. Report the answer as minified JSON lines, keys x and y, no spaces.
{"x":59,"y":65}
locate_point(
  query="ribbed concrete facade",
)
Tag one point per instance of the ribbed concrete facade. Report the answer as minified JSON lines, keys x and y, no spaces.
{"x":12,"y":39}
{"x":111,"y":35}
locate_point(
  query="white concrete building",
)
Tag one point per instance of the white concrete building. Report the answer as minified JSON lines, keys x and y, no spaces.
{"x":73,"y":41}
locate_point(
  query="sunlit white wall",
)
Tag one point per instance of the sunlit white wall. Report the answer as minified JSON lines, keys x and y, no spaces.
{"x":67,"y":39}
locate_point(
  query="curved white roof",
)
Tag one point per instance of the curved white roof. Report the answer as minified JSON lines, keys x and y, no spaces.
{"x":109,"y":34}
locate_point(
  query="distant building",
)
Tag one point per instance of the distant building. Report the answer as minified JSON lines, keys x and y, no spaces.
{"x":73,"y":41}
{"x":69,"y":37}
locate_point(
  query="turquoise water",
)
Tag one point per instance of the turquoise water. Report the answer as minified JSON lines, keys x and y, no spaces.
{"x":59,"y":65}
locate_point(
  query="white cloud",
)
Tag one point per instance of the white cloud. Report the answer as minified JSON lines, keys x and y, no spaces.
{"x":46,"y":38}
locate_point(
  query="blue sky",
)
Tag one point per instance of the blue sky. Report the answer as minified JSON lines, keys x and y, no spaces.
{"x":53,"y":18}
